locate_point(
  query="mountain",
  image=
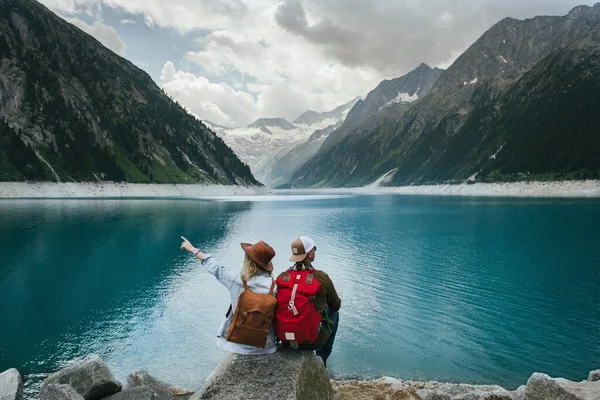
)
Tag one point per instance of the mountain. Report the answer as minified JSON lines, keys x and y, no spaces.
{"x":311,"y":117}
{"x":518,"y":104}
{"x":396,"y":94}
{"x":71,"y":110}
{"x":267,"y":124}
{"x":266,"y":144}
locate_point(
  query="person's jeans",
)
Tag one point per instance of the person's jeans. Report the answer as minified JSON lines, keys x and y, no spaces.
{"x":325,"y":351}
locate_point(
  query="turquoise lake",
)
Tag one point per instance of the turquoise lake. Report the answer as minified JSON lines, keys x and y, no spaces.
{"x":481,"y":290}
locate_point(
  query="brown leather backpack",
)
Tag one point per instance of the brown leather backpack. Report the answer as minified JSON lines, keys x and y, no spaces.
{"x":253,"y":317}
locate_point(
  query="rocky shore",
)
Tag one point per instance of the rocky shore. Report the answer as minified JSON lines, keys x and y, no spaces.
{"x":284,"y":375}
{"x":563,"y":189}
{"x":568,"y":189}
{"x":113,"y":189}
{"x":539,"y":387}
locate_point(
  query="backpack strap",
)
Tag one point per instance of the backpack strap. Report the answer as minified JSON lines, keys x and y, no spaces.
{"x":270,"y":291}
{"x":272,"y":286}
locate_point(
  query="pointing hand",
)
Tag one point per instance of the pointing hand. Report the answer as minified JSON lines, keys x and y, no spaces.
{"x":186,"y":245}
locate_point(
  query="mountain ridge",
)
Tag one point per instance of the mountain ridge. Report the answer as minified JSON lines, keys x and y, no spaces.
{"x":88,"y":114}
{"x":412,"y":142}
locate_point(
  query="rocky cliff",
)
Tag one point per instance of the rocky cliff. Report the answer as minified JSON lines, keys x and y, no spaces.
{"x":71,"y":110}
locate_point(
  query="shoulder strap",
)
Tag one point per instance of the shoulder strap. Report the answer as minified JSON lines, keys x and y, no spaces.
{"x":270,"y":291}
{"x":272,"y":286}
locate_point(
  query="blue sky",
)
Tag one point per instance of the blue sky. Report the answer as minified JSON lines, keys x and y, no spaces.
{"x":233,"y":61}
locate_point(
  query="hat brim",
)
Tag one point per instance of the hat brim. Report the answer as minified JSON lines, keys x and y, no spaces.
{"x":298,"y":257}
{"x":267,"y":267}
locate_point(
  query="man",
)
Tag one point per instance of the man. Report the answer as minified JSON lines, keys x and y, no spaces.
{"x":326,"y":298}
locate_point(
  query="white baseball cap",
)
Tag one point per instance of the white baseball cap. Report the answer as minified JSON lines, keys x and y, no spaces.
{"x":300,"y":247}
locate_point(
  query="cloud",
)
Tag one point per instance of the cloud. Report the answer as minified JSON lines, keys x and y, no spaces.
{"x":395,"y":36}
{"x":255,"y":58}
{"x":184,"y":15}
{"x":105,"y":34}
{"x":217,"y":102}
{"x":128,"y":22}
{"x":72,"y":7}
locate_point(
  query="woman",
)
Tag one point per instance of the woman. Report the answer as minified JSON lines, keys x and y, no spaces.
{"x":256,"y":271}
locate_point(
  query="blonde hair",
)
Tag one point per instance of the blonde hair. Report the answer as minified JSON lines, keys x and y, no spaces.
{"x":250,"y":269}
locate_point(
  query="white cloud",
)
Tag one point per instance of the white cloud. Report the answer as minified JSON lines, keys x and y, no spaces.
{"x":128,"y":21}
{"x":285,"y":73}
{"x":105,"y":34}
{"x":280,"y":57}
{"x":217,"y":102}
{"x":185,"y":15}
{"x":72,"y":7}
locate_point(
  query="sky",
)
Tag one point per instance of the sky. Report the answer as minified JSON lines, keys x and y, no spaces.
{"x":234,"y":61}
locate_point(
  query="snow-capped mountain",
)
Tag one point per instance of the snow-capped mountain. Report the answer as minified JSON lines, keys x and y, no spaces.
{"x":267,"y":141}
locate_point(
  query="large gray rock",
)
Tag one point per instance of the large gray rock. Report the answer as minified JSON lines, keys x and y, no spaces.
{"x":542,"y":387}
{"x":136,"y":393}
{"x":519,"y":394}
{"x":450,"y":391}
{"x":11,"y":385}
{"x":594,"y":375}
{"x":285,"y":375}
{"x":59,"y":392}
{"x":90,"y":377}
{"x":162,"y":390}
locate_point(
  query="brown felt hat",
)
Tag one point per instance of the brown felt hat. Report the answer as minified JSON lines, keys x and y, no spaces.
{"x":261,"y":253}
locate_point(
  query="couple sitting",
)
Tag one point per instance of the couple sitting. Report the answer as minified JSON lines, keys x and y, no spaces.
{"x":300,"y":307}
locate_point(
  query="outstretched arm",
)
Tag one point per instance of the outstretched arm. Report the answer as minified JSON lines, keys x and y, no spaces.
{"x":186,"y":245}
{"x":224,"y":275}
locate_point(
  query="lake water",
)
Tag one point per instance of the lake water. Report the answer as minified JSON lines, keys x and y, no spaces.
{"x":452,"y":289}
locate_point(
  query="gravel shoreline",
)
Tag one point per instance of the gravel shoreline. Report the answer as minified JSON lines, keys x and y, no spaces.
{"x":570,"y":189}
{"x":112,"y":189}
{"x":561,"y":189}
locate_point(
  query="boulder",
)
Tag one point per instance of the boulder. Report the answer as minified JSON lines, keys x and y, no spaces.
{"x":136,"y":393}
{"x":382,"y":388}
{"x":542,"y":387}
{"x":450,"y":391}
{"x":594,"y":375}
{"x":90,"y":377}
{"x":11,"y":385}
{"x":59,"y":392}
{"x":162,"y":390}
{"x":285,"y":375}
{"x":519,"y":394}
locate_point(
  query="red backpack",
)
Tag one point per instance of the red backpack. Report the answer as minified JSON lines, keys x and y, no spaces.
{"x":296,"y":316}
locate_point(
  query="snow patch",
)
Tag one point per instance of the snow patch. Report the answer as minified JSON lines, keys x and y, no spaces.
{"x":493,"y":156}
{"x":385,"y":178}
{"x":503,"y":60}
{"x":404,"y":97}
{"x":42,"y":159}
{"x":473,"y":81}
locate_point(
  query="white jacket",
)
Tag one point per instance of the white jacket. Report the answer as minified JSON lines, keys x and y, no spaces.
{"x":233,"y":282}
